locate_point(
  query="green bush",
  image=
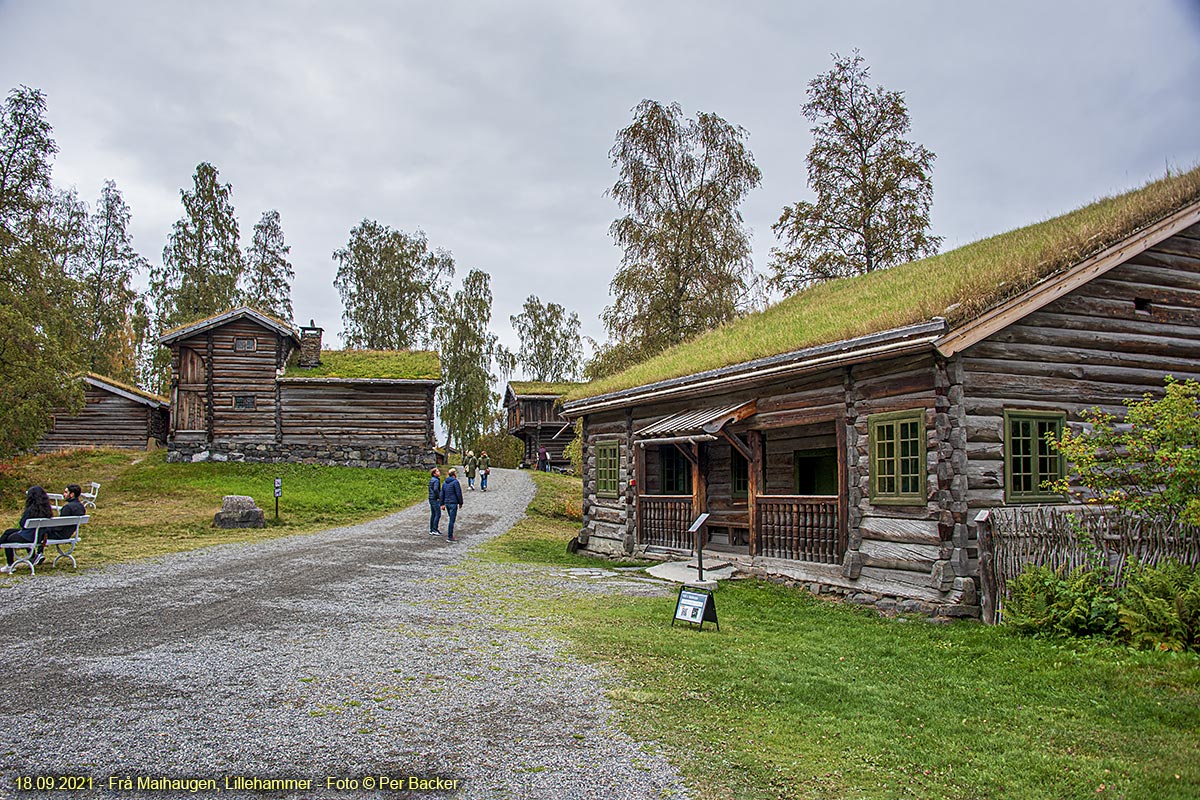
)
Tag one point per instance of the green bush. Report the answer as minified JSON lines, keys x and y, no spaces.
{"x":1160,"y":608}
{"x":503,"y":450}
{"x":1047,"y":600}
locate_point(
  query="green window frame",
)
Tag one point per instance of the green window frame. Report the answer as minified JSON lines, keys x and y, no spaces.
{"x":897,"y":447}
{"x":608,"y":462}
{"x":1029,"y":461}
{"x":739,"y":475}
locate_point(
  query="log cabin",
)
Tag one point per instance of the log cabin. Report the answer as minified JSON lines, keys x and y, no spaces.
{"x":248,"y":387}
{"x":114,"y":414}
{"x":534,"y":414}
{"x":848,"y":437}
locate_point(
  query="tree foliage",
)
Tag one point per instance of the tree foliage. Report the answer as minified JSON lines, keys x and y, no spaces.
{"x":267,"y":280}
{"x":873,"y":186}
{"x":466,"y":401}
{"x":551,"y":348}
{"x":202,"y":261}
{"x":1149,"y":463}
{"x":393,"y":287}
{"x":687,"y":265}
{"x":105,"y":271}
{"x":37,"y":367}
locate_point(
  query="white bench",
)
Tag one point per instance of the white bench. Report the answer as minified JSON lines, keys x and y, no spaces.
{"x":61,"y":540}
{"x":89,"y":498}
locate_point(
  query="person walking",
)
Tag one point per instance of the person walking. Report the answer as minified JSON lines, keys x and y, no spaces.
{"x":543,"y":463}
{"x":452,"y":500}
{"x":472,"y":466}
{"x":485,"y":469}
{"x":435,"y":501}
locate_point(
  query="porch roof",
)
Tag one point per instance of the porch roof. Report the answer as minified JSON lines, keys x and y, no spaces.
{"x":697,"y":422}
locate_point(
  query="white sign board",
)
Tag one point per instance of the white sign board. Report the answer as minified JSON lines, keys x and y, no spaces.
{"x":279,"y":487}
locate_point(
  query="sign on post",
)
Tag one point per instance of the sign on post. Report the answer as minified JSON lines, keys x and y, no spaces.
{"x":696,"y":605}
{"x":278,"y":494}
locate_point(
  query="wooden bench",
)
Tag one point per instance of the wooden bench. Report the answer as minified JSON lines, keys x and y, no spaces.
{"x":61,"y":540}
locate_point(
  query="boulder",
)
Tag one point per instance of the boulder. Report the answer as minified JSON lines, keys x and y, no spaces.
{"x":239,"y":511}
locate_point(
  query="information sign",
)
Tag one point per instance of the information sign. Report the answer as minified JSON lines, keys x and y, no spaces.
{"x":696,"y":605}
{"x":279,"y":487}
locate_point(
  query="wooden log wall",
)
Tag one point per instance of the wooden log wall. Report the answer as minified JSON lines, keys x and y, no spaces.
{"x":1114,"y":338}
{"x":243,"y":374}
{"x":106,"y":420}
{"x":316,"y":413}
{"x":608,"y":521}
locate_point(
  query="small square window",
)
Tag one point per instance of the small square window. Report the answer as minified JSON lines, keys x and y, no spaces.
{"x":243,"y":402}
{"x":1029,"y":459}
{"x":245,"y":345}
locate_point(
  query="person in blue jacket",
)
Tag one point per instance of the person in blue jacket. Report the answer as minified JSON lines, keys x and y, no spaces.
{"x":452,"y":500}
{"x":435,"y":501}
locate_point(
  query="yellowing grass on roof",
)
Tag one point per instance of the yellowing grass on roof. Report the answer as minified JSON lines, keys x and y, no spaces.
{"x":541,"y":387}
{"x":960,"y":284}
{"x":382,"y":364}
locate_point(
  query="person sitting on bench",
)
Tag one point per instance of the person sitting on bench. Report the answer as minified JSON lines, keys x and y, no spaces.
{"x":37,"y":506}
{"x":72,"y":507}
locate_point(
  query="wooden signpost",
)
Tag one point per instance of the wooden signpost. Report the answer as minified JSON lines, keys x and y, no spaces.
{"x":696,"y":605}
{"x":278,"y":494}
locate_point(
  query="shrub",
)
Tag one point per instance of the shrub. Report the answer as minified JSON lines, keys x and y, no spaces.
{"x":1161,"y":607}
{"x":503,"y":450}
{"x":1053,"y":601}
{"x":574,"y":450}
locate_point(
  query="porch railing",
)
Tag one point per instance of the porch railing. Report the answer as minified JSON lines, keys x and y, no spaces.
{"x":800,"y":527}
{"x":664,"y":520}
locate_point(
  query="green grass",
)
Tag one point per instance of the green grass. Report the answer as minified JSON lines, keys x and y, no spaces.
{"x":960,"y":284}
{"x":384,"y":364}
{"x":797,"y":697}
{"x":148,"y":507}
{"x":541,"y":387}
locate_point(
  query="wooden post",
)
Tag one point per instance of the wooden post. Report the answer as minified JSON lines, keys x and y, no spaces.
{"x":639,"y":479}
{"x":987,"y":567}
{"x":699,"y":484}
{"x":843,"y":488}
{"x":754,"y":471}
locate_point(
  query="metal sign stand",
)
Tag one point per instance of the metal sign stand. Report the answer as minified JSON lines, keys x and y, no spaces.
{"x":278,"y":494}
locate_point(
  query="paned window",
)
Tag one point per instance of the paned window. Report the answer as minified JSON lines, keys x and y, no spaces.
{"x":245,"y":345}
{"x":1029,"y":460}
{"x":608,"y":460}
{"x":739,"y":475}
{"x":243,"y":402}
{"x":897,"y":442}
{"x":676,"y":471}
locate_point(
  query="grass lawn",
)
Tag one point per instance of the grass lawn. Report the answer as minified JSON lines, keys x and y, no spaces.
{"x":797,"y":697}
{"x":148,"y":507}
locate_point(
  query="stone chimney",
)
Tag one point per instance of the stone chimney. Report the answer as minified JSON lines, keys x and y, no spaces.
{"x":310,"y":345}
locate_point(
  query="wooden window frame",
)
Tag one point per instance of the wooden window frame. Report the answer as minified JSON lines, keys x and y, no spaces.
{"x":1038,"y":494}
{"x":240,"y":344}
{"x":896,"y":419}
{"x":736,"y":458}
{"x":679,"y":461}
{"x":253,"y":402}
{"x":608,"y":468}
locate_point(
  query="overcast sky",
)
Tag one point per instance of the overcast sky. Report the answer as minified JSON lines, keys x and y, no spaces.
{"x":488,"y":125}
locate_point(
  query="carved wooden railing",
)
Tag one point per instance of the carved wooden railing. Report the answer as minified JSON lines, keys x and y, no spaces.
{"x":799,"y":527}
{"x":663,"y":520}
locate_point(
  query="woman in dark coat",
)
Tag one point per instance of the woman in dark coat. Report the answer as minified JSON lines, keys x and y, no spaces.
{"x":37,"y":506}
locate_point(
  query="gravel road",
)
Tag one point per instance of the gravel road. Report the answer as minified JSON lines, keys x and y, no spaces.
{"x":345,"y":655}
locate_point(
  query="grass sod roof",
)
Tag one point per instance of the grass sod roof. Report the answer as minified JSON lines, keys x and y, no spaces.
{"x":960,"y":285}
{"x":377,"y":364}
{"x":128,"y":388}
{"x":559,"y":388}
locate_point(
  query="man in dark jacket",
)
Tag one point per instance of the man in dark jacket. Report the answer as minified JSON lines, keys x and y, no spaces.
{"x":435,"y":501}
{"x":452,"y":499}
{"x":71,"y":508}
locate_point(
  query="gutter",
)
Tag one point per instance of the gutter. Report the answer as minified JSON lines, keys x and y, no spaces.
{"x":895,"y":342}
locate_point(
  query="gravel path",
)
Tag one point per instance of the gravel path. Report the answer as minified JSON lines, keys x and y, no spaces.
{"x":353,"y":653}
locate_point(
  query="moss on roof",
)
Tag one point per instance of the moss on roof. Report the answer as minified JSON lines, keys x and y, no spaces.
{"x":960,"y":285}
{"x":379,"y":364}
{"x":280,"y":322}
{"x":127,"y":387}
{"x":559,"y":388}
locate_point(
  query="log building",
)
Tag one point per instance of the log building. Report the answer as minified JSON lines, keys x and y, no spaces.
{"x":534,"y":413}
{"x":858,"y":463}
{"x":113,"y":415}
{"x":248,"y":387}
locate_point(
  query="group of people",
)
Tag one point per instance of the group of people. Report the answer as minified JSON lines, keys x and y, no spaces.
{"x":479,"y":465}
{"x":447,"y":495}
{"x":37,"y":506}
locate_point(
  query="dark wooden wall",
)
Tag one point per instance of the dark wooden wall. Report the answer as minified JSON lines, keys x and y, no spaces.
{"x":106,"y":420}
{"x":249,"y":374}
{"x":313,"y":413}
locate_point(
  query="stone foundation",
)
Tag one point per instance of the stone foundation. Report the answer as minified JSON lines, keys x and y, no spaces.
{"x":334,"y":455}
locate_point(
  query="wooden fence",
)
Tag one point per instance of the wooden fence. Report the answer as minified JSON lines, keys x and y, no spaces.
{"x":1012,"y":539}
{"x":663,"y":521}
{"x":803,"y":528}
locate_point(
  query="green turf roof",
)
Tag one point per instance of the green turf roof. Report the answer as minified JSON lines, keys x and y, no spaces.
{"x":559,"y":388}
{"x":960,"y":285}
{"x":378,"y":364}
